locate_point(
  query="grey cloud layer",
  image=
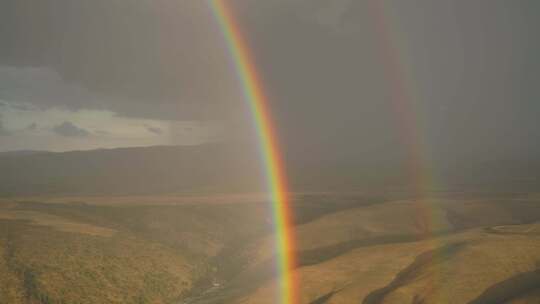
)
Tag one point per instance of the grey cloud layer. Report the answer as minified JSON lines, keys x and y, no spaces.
{"x":162,"y":59}
{"x":68,"y":129}
{"x":43,"y":88}
{"x":471,"y":68}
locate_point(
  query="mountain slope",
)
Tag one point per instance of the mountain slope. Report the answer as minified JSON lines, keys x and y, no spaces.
{"x":205,"y":168}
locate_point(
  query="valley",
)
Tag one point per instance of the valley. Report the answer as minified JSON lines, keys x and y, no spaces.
{"x":351,"y":248}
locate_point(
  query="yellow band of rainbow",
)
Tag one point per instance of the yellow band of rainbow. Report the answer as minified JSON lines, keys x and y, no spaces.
{"x":273,"y":164}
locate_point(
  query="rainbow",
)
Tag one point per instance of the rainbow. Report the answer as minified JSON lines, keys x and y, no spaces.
{"x":254,"y":95}
{"x":405,"y":97}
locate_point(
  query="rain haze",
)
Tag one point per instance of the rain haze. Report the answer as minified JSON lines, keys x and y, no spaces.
{"x":469,"y":68}
{"x":335,"y":115}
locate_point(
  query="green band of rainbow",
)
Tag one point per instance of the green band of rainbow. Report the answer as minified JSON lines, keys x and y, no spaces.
{"x":407,"y":103}
{"x":273,"y":164}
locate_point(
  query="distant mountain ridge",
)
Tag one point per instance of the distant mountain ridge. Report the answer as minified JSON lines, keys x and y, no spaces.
{"x":21,"y":152}
{"x":222,"y":168}
{"x":210,"y":167}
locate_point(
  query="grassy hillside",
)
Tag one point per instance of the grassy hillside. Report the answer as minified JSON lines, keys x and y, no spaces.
{"x":389,"y":252}
{"x":351,"y":249}
{"x":83,"y":253}
{"x":45,"y":265}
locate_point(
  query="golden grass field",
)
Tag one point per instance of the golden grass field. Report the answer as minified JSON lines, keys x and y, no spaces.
{"x":351,"y":249}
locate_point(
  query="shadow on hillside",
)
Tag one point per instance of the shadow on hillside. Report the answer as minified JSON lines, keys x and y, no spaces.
{"x":510,"y":289}
{"x":412,"y":271}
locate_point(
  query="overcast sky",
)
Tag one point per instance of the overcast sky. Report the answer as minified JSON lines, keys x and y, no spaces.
{"x":347,"y":79}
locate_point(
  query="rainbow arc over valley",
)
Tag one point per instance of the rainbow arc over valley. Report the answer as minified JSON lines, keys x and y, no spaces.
{"x":254,"y":94}
{"x":404,"y":95}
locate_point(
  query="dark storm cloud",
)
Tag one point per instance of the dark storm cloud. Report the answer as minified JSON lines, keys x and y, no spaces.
{"x":153,"y":59}
{"x":28,"y":88}
{"x":471,"y":65}
{"x":68,"y":129}
{"x":471,"y":69}
{"x":324,"y":77}
{"x":468,"y":68}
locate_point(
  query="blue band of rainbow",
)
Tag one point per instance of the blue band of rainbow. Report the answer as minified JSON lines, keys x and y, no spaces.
{"x":254,"y":95}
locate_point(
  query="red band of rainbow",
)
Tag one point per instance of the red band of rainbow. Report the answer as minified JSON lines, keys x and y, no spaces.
{"x":254,"y":95}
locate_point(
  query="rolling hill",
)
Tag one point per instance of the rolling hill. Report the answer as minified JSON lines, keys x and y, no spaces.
{"x":226,"y":168}
{"x":164,"y":225}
